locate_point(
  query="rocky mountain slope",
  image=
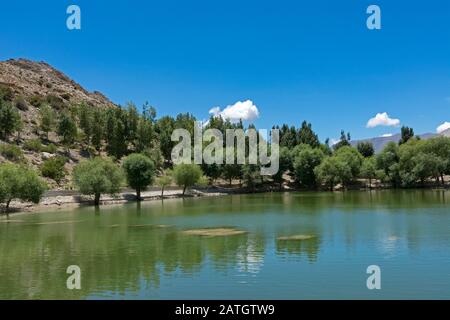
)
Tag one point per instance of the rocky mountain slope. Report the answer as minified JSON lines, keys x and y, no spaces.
{"x":29,"y":78}
{"x":27,"y":85}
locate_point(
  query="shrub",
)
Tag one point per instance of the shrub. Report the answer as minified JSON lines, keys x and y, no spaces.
{"x":51,"y":148}
{"x":140,"y":172}
{"x":19,"y":182}
{"x":11,"y":152}
{"x":53,"y":168}
{"x":97,"y":176}
{"x":55,"y":102}
{"x":36,"y":101}
{"x":6,"y":93}
{"x":33,"y":145}
{"x":21,"y":104}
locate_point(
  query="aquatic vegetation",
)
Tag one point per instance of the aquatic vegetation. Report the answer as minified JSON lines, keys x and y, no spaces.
{"x":214,"y":232}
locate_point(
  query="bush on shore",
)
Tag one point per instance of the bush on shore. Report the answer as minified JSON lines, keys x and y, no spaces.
{"x":19,"y":182}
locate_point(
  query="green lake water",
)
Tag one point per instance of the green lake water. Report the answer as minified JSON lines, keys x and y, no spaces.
{"x":140,"y":252}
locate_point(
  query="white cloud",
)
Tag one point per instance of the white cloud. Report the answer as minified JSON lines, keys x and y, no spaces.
{"x":443,"y":127}
{"x":244,"y":110}
{"x":386,"y":135}
{"x":382,"y":119}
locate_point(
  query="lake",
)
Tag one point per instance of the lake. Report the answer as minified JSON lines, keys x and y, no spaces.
{"x":137,"y":251}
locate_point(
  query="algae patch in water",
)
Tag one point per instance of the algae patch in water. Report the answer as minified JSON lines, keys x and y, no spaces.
{"x":150,"y":226}
{"x":296,"y":237}
{"x":214,"y":232}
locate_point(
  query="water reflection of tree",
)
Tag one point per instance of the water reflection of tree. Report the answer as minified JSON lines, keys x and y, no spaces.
{"x":250,"y":257}
{"x":33,"y":259}
{"x":299,"y":248}
{"x":112,"y":260}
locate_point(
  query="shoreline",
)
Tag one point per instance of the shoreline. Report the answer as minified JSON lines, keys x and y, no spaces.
{"x":56,"y":200}
{"x":71,"y":200}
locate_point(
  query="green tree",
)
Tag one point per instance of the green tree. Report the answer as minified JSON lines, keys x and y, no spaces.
{"x":439,"y":147}
{"x":164,"y":128}
{"x":67,"y":130}
{"x":19,"y":182}
{"x":97,"y":176}
{"x":164,"y":181}
{"x":10,"y":120}
{"x":407,"y":133}
{"x":251,"y":175}
{"x":139,"y":171}
{"x":350,"y":157}
{"x":148,"y":112}
{"x":144,"y":135}
{"x":53,"y":168}
{"x":296,"y":151}
{"x":288,"y":136}
{"x":369,"y":169}
{"x":187,"y":175}
{"x":185,"y":121}
{"x":366,"y":149}
{"x":307,"y":136}
{"x":388,"y":162}
{"x":116,"y":132}
{"x":344,"y":141}
{"x":332,"y":171}
{"x":212,"y":171}
{"x":285,"y":164}
{"x":131,"y":123}
{"x":86,"y":120}
{"x":47,"y":119}
{"x":233,"y":170}
{"x":426,"y":166}
{"x":98,"y":119}
{"x":305,"y":163}
{"x":155,"y":155}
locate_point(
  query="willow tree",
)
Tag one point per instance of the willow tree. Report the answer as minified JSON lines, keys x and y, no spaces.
{"x":98,"y":176}
{"x":21,"y":183}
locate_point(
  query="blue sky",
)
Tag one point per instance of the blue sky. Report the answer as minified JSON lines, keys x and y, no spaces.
{"x":296,"y":60}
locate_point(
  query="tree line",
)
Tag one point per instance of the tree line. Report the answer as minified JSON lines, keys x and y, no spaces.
{"x":124,"y":144}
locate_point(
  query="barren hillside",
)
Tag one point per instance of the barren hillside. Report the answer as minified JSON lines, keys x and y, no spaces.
{"x":28,"y":85}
